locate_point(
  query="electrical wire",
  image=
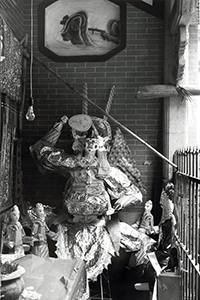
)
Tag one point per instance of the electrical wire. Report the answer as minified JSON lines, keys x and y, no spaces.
{"x":31,"y":58}
{"x":30,"y":116}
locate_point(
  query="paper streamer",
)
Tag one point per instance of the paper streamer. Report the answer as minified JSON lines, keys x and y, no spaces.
{"x":110,"y":99}
{"x":85,"y":103}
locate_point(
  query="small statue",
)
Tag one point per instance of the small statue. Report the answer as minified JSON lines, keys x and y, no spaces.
{"x":167,"y":222}
{"x":165,"y":251}
{"x":14,"y":233}
{"x":40,"y":231}
{"x":166,"y":203}
{"x":145,"y":227}
{"x":146,"y":223}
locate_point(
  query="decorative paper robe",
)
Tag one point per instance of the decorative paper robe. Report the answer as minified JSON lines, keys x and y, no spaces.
{"x":86,"y":235}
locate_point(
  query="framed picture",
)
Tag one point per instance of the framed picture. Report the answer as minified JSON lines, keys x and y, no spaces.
{"x":81,"y":30}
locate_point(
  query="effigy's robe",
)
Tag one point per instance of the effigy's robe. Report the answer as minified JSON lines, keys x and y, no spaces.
{"x":85,"y":232}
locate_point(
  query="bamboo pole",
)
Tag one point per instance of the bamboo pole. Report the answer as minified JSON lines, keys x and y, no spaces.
{"x":85,"y":97}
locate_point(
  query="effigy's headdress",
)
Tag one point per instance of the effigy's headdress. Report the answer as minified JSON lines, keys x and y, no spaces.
{"x":14,"y":209}
{"x":39,"y":205}
{"x":81,"y":123}
{"x":149,"y":201}
{"x":169,"y":189}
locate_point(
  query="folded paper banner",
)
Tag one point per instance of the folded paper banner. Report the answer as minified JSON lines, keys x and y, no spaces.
{"x":85,"y":103}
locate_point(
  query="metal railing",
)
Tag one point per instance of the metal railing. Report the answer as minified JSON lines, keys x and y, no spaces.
{"x":187,"y":212}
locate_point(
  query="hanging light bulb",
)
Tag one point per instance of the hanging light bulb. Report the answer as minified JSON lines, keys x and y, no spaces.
{"x":30,"y":116}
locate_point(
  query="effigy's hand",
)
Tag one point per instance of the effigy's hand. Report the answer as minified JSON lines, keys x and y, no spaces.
{"x":64,"y":119}
{"x":14,"y":227}
{"x":110,"y":211}
{"x":58,"y":126}
{"x":126,"y":200}
{"x":10,"y":245}
{"x":101,"y":141}
{"x":117,"y":206}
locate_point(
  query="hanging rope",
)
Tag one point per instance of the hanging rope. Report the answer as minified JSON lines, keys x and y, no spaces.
{"x":106,"y":114}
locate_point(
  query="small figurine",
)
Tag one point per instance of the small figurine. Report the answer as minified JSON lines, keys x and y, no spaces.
{"x":146,"y":223}
{"x":167,"y":222}
{"x":14,"y":233}
{"x":40,"y":231}
{"x":145,"y":226}
{"x":166,"y":203}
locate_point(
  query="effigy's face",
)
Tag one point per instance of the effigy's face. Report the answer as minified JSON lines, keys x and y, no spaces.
{"x":148,"y":206}
{"x":40,"y":211}
{"x":166,"y":204}
{"x":14,"y":215}
{"x":91,"y":145}
{"x":78,"y":145}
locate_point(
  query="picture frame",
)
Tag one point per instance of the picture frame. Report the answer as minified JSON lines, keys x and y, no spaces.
{"x":81,"y":30}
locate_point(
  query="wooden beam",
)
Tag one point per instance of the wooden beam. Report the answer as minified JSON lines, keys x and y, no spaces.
{"x":181,"y":14}
{"x":162,"y":91}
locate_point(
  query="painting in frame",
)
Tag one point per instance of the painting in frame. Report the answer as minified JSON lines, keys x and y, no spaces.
{"x":81,"y":30}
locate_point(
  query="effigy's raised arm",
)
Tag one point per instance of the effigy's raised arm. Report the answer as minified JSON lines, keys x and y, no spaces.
{"x":49,"y":158}
{"x":53,"y":135}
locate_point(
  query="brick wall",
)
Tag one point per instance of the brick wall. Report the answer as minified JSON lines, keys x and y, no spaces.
{"x":140,"y":63}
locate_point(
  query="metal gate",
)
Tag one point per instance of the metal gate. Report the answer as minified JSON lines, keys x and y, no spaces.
{"x":187,"y":211}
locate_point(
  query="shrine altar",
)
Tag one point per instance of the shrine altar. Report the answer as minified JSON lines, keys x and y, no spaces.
{"x":53,"y":278}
